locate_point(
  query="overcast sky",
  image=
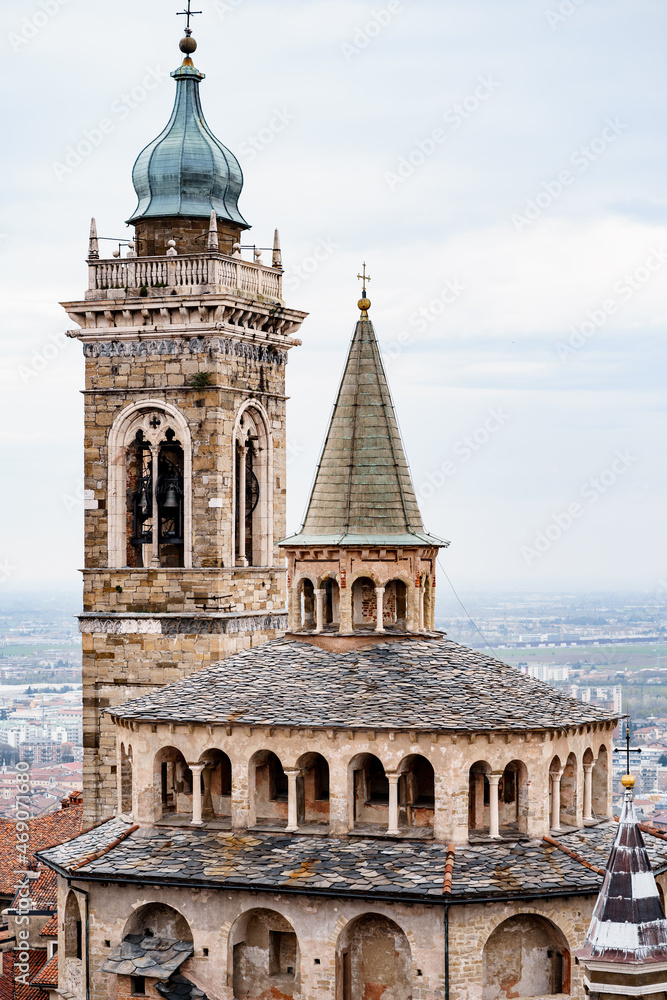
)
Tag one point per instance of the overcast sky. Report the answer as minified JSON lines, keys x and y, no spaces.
{"x":500,"y":165}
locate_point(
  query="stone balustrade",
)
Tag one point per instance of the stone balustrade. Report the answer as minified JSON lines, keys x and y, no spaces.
{"x":205,"y":272}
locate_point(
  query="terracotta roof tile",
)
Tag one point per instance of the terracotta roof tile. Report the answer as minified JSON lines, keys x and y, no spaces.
{"x":49,"y":974}
{"x":50,"y":929}
{"x":45,"y":831}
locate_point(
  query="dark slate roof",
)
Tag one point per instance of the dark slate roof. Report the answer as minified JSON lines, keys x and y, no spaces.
{"x":155,"y":957}
{"x":373,"y":868}
{"x":363,"y":493}
{"x":180,"y":988}
{"x":430,"y":684}
{"x":628,"y":923}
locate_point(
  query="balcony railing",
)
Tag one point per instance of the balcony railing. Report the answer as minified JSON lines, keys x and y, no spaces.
{"x":206,"y":272}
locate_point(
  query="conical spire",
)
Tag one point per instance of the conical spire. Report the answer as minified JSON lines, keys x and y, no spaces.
{"x":363,"y":492}
{"x":628,"y":924}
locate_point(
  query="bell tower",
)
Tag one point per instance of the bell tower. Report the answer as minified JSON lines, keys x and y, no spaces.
{"x":185,"y":346}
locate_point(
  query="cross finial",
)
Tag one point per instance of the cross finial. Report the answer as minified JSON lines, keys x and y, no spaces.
{"x":189,"y":13}
{"x":364,"y":277}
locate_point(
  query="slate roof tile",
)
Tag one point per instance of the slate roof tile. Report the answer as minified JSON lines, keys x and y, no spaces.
{"x":430,"y":683}
{"x":372,"y":867}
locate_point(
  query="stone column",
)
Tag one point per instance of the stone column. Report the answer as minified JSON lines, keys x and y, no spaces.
{"x":196,"y":793}
{"x":155,"y":545}
{"x":494,"y":827}
{"x":292,"y":817}
{"x":379,"y":594}
{"x":555,"y":799}
{"x":588,"y":792}
{"x":393,"y":803}
{"x":319,"y":610}
{"x":421,"y":609}
{"x":345,"y":610}
{"x":240,"y":504}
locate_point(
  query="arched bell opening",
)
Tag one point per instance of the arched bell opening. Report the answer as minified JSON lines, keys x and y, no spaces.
{"x":216,"y":787}
{"x":169,"y":499}
{"x":313,"y":791}
{"x":253,"y":493}
{"x":416,"y":794}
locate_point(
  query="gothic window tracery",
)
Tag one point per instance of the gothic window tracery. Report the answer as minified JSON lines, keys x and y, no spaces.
{"x":149,"y":488}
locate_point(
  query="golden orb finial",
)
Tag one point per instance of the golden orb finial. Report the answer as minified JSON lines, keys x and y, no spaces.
{"x":628,"y":781}
{"x":187,"y":45}
{"x":364,"y":303}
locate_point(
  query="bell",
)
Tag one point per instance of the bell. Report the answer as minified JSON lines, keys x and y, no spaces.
{"x":143,"y":501}
{"x":171,"y":498}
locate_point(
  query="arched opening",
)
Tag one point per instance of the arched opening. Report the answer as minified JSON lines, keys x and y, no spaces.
{"x":331,"y":601}
{"x":173,"y":785}
{"x":313,"y":791}
{"x":160,"y":921}
{"x":600,"y":784}
{"x":150,"y":502}
{"x":216,"y":786}
{"x":364,"y":603}
{"x":512,"y":799}
{"x":306,"y":599}
{"x":268,"y":790}
{"x":73,"y":928}
{"x":169,"y":500}
{"x":373,"y":959}
{"x":395,"y":604}
{"x":265,"y":959}
{"x":156,"y":941}
{"x":526,"y":956}
{"x":253,"y":495}
{"x":370,"y":792}
{"x":416,"y":793}
{"x":568,"y":793}
{"x":479,"y":798}
{"x":125,"y":779}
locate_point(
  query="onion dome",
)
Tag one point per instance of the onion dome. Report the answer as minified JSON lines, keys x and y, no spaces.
{"x":186,"y":171}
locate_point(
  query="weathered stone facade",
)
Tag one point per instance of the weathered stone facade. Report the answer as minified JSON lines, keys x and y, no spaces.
{"x":202,"y":367}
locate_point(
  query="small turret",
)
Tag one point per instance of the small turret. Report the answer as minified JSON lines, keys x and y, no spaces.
{"x":626,"y":947}
{"x":362,"y":560}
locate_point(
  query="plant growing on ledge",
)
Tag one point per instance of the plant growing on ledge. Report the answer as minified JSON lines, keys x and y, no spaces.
{"x":200,"y":380}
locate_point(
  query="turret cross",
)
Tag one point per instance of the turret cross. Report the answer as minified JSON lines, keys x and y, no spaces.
{"x":364,"y":277}
{"x":189,"y":13}
{"x":628,"y":748}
